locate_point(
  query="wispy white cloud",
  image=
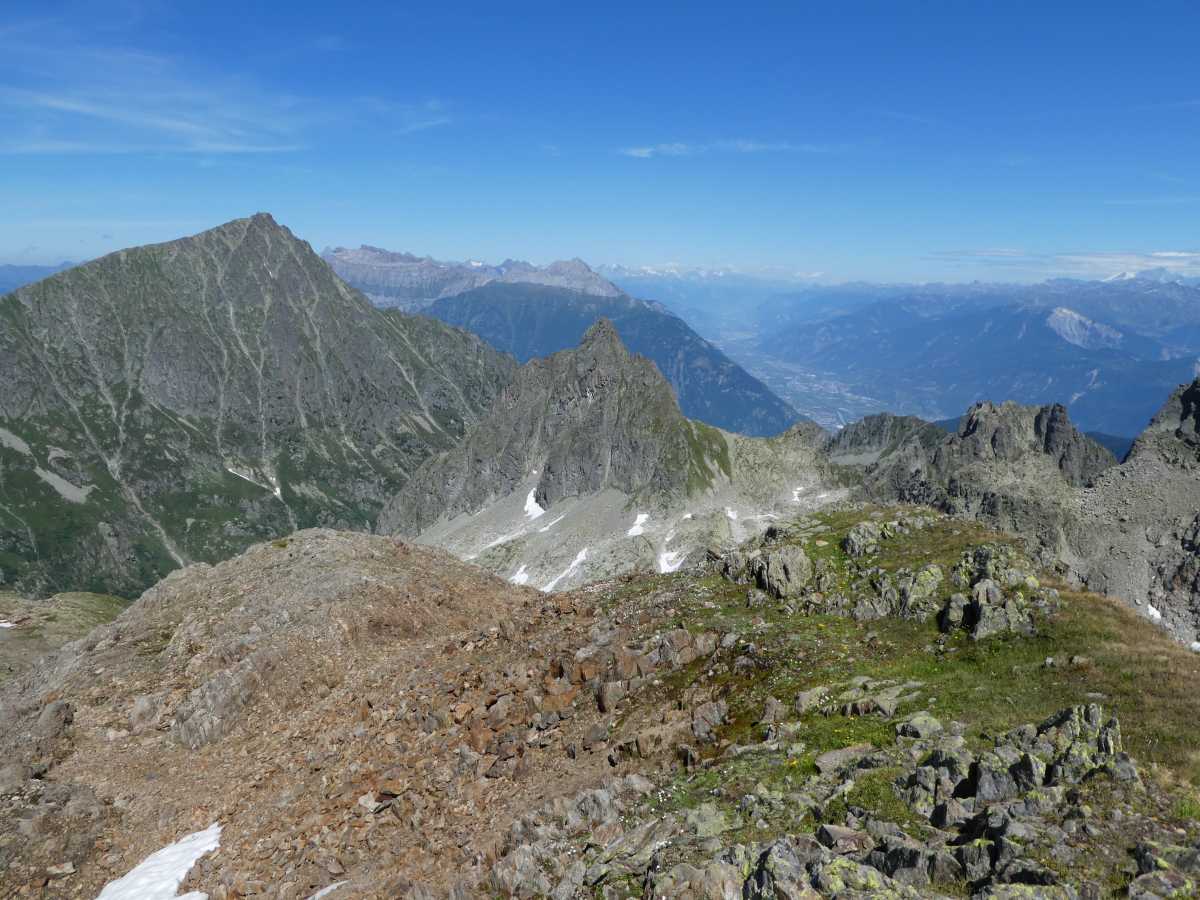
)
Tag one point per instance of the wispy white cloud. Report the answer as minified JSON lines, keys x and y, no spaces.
{"x":738,"y":145}
{"x":1080,"y":264}
{"x":64,"y":94}
{"x":1157,"y":200}
{"x":423,"y":125}
{"x":652,"y":150}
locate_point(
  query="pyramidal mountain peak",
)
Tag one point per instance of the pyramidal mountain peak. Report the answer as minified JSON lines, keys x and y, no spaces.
{"x":171,"y":403}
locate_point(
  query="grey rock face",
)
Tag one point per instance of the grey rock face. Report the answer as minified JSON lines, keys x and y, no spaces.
{"x":1011,"y":434}
{"x":583,"y":419}
{"x":173,"y":403}
{"x":1137,"y":528}
{"x":864,"y":442}
{"x":1130,"y":530}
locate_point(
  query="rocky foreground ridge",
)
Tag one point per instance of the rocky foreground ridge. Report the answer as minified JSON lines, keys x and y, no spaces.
{"x":865,"y":702}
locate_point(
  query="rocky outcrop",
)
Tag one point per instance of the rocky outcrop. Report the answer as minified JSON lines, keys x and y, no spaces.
{"x":1015,"y":467}
{"x":871,"y":438}
{"x":1130,"y":530}
{"x":991,"y":817}
{"x":176,"y":402}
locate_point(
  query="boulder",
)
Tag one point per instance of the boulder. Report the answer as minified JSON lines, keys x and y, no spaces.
{"x":706,"y":718}
{"x":862,"y":540}
{"x":783,"y":572}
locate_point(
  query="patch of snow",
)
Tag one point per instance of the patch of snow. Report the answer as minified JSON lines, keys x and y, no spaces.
{"x":731,"y":513}
{"x":1154,"y":613}
{"x":328,"y":889}
{"x":242,"y":475}
{"x":637,"y":528}
{"x":65,"y":489}
{"x":505,"y":538}
{"x":1081,"y":331}
{"x":12,"y":442}
{"x":520,"y":576}
{"x":1196,"y":646}
{"x":686,"y":516}
{"x":796,"y":492}
{"x":532,"y":508}
{"x":159,"y":875}
{"x":670,"y":561}
{"x":8,"y":624}
{"x":546,"y":528}
{"x":568,"y":571}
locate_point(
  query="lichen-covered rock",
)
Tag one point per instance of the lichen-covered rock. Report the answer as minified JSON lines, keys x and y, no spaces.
{"x":1165,"y":870}
{"x":989,"y":615}
{"x":862,"y":540}
{"x":783,"y":572}
{"x":706,"y":881}
{"x":1000,"y":563}
{"x":918,"y":593}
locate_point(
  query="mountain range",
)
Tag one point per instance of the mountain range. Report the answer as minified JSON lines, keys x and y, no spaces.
{"x":587,"y":467}
{"x":1108,"y":350}
{"x":13,"y":277}
{"x":174,"y":403}
{"x":412,"y":282}
{"x":533,"y":312}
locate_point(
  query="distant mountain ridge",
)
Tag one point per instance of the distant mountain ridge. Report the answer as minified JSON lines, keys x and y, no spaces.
{"x":412,"y":283}
{"x":13,"y":276}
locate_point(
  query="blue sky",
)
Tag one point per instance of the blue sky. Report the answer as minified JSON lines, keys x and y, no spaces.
{"x":857,"y":140}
